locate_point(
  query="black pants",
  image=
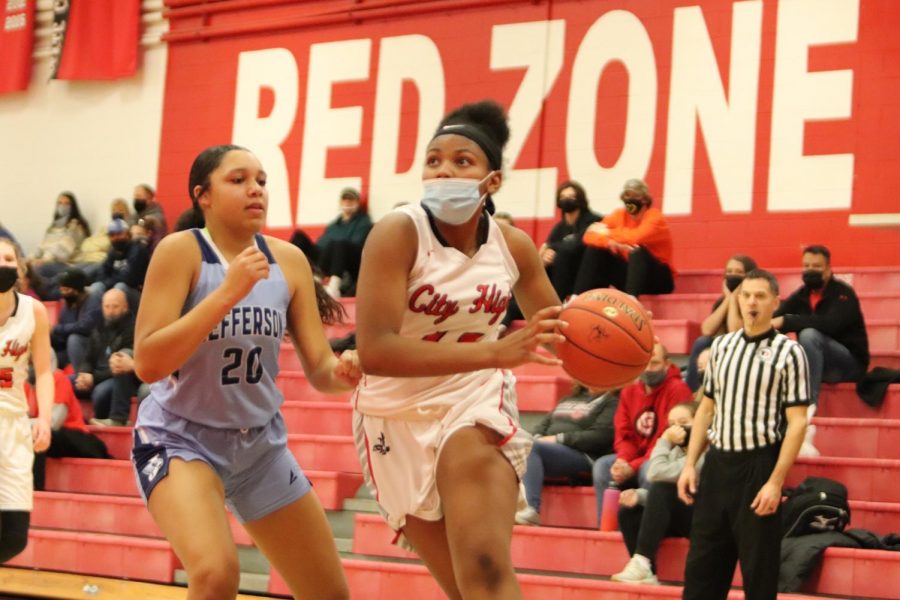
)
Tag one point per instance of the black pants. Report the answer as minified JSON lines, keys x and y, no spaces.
{"x":13,"y":533}
{"x":726,"y":530}
{"x":67,"y":443}
{"x":340,"y":257}
{"x":564,"y":269}
{"x":642,"y":273}
{"x":663,"y":515}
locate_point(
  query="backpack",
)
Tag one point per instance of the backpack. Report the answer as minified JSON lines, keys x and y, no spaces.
{"x":817,"y":505}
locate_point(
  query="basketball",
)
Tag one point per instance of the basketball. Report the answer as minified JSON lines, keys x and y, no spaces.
{"x":609,"y":340}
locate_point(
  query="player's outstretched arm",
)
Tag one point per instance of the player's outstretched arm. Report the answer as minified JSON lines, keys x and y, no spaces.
{"x":164,"y":339}
{"x":326,"y":372}
{"x":388,"y":257}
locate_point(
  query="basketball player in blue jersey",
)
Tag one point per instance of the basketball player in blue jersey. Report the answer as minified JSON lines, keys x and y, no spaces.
{"x":215,"y":306}
{"x":24,"y":337}
{"x":435,"y":421}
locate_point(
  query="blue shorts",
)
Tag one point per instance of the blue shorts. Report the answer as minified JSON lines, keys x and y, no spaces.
{"x":258,"y":472}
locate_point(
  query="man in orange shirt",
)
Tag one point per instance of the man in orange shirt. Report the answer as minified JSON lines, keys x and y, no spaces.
{"x":631,"y":248}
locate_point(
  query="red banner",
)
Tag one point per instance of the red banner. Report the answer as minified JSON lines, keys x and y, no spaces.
{"x":99,"y":39}
{"x":16,"y":42}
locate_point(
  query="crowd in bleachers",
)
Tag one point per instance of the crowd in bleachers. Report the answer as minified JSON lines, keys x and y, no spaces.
{"x":613,"y":440}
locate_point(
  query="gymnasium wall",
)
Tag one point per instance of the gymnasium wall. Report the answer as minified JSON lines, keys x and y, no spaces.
{"x":760,"y":125}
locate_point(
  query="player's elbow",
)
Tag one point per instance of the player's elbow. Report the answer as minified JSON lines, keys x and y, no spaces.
{"x":145,"y":369}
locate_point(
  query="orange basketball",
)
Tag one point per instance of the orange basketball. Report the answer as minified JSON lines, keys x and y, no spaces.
{"x":609,"y":340}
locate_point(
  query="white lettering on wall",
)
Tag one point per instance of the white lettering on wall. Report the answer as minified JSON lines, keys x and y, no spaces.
{"x":408,"y":58}
{"x":274,"y":69}
{"x":697,"y":95}
{"x":616,"y":36}
{"x":539,"y":48}
{"x":798,"y":182}
{"x":325,"y":127}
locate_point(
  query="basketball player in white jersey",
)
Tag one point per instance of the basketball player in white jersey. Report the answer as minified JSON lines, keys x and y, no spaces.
{"x":436,"y":421}
{"x":24,"y":336}
{"x":214,"y":309}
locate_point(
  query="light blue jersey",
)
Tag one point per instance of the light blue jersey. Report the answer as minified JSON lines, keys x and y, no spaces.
{"x":229,"y":381}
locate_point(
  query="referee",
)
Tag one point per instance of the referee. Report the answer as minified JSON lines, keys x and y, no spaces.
{"x":756,"y":380}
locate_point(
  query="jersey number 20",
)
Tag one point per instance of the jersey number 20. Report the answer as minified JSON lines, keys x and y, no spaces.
{"x":231,"y":373}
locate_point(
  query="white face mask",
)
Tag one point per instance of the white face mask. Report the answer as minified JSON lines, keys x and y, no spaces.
{"x":453,"y":201}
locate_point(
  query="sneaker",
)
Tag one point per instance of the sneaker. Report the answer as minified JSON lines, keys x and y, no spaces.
{"x":807,"y":449}
{"x":108,"y":422}
{"x":528,"y":516}
{"x":635,"y":572}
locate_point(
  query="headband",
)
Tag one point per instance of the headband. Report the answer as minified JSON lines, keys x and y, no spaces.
{"x":487,"y":145}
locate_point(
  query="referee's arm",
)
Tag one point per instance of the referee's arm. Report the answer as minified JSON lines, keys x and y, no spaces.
{"x":687,"y":482}
{"x":768,"y":499}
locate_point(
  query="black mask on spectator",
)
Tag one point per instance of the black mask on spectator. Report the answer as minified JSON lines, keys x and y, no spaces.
{"x":120,"y":245}
{"x":117,"y":215}
{"x":814,"y":280}
{"x":732,"y":281}
{"x":139,"y":204}
{"x":567,"y":205}
{"x":687,"y":435}
{"x":633,"y":207}
{"x":70,"y":299}
{"x":8,"y":277}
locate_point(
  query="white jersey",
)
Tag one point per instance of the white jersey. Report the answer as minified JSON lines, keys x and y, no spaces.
{"x":15,"y":353}
{"x":451,"y":298}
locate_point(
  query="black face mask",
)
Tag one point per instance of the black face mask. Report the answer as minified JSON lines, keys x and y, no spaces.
{"x":140,"y":205}
{"x":8,"y":277}
{"x":814,"y":280}
{"x":633,"y":207}
{"x":567,"y":205}
{"x":120,"y":245}
{"x":732,"y":281}
{"x":687,"y":436}
{"x":70,"y":299}
{"x":118,"y":215}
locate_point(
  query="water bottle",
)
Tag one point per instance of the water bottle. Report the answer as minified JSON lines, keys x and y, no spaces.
{"x":609,"y":518}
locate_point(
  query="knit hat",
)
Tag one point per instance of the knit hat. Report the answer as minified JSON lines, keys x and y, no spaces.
{"x":73,"y":278}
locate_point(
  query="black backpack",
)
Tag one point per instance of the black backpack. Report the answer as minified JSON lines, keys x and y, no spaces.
{"x":817,"y":505}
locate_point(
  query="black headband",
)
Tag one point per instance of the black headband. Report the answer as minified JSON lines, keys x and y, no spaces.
{"x":487,"y":145}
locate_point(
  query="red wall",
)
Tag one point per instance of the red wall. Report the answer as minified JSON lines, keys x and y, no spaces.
{"x":709,"y":223}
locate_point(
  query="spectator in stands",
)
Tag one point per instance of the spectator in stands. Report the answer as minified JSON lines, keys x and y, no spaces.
{"x":119,"y":209}
{"x":61,"y":240}
{"x":308,"y":247}
{"x":190,"y":219}
{"x":646,"y":516}
{"x":126,"y":264}
{"x":563,"y":251}
{"x":567,"y":441}
{"x":31,"y":284}
{"x":106,"y":375}
{"x":631,"y":248}
{"x":725,"y":315}
{"x":147,"y":208}
{"x":79,"y":316}
{"x":825,"y":314}
{"x":638,"y":418}
{"x":69,"y":437}
{"x":95,"y":248}
{"x":340,"y":247}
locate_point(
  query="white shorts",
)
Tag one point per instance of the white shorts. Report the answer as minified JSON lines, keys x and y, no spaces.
{"x":16,"y":460}
{"x":399,"y":456}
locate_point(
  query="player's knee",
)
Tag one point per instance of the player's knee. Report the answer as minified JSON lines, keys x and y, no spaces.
{"x":481,"y":570}
{"x":214,"y":579}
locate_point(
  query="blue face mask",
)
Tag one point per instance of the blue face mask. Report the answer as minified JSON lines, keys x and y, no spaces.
{"x":453,"y":201}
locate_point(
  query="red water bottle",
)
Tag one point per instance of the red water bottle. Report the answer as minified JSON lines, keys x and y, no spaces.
{"x":609,"y":518}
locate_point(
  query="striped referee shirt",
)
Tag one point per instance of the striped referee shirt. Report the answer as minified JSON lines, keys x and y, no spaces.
{"x":752,"y":380}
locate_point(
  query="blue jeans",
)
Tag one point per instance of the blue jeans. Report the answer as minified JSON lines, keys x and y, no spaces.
{"x":602,"y":478}
{"x":111,"y":398}
{"x":692,"y":379}
{"x":829,"y":361}
{"x":551,"y":460}
{"x":76,"y":349}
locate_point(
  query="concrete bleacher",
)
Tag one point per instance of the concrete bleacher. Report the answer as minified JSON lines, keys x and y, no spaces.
{"x":91,"y":520}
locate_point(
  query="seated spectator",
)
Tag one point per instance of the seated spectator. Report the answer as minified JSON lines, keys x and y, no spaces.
{"x":340,"y":247}
{"x":119,"y":209}
{"x":79,"y":316}
{"x":106,"y":376}
{"x":61,"y":240}
{"x":30,"y":283}
{"x":69,"y":437}
{"x":190,"y":219}
{"x":146,"y":207}
{"x":563,"y":251}
{"x":825,"y":314}
{"x":648,"y":516}
{"x":125,"y":266}
{"x":631,"y":248}
{"x":567,"y":442}
{"x":725,"y":315}
{"x":300,"y":239}
{"x":638,"y":424}
{"x":504,"y":217}
{"x":95,"y":248}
